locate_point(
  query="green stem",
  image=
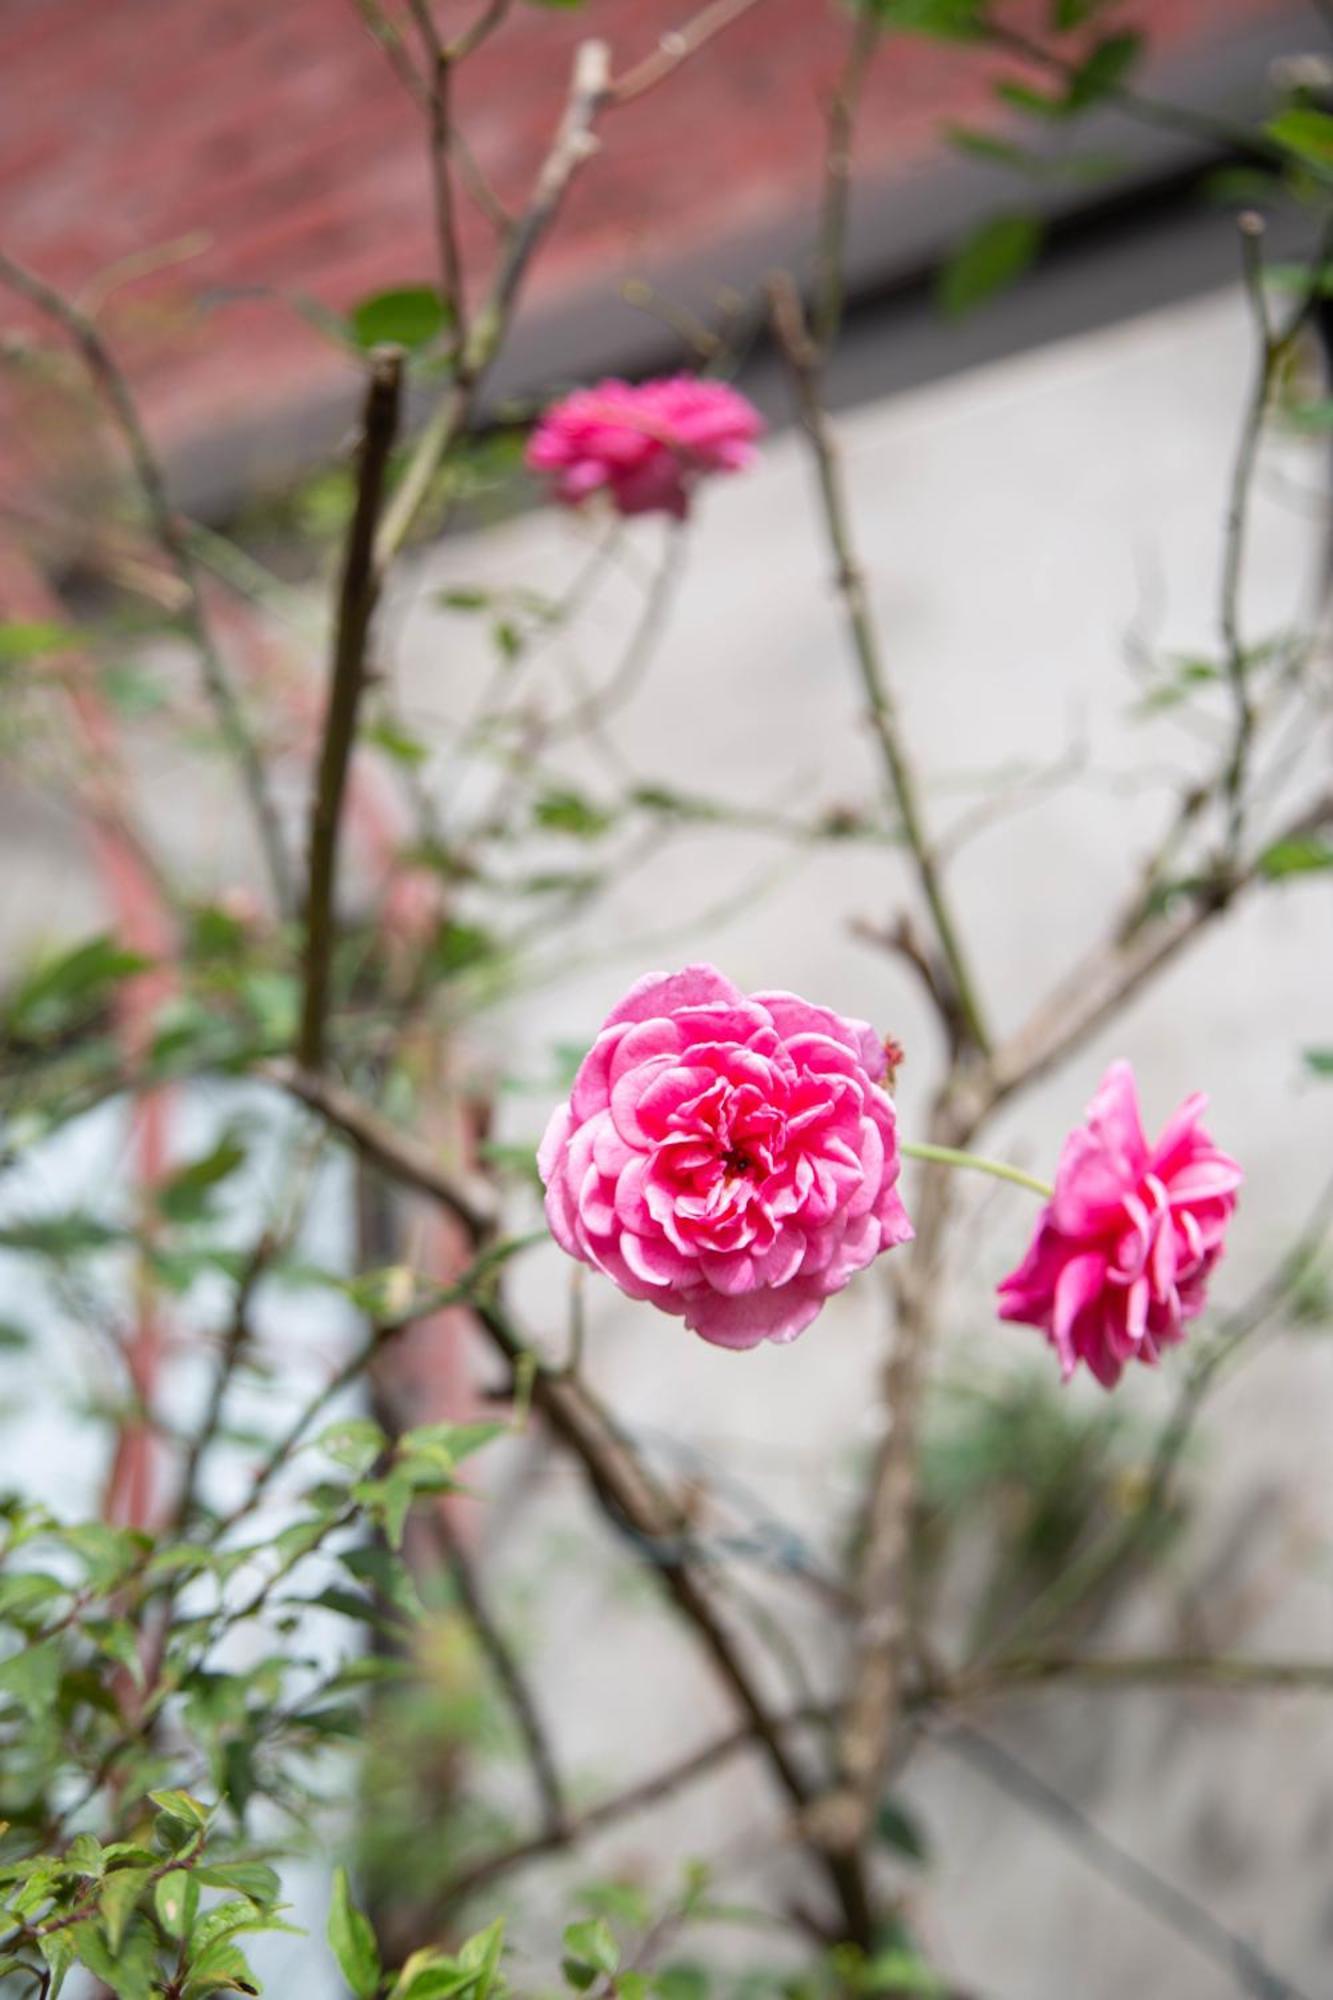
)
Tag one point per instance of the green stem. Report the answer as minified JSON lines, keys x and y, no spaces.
{"x":1000,"y":1170}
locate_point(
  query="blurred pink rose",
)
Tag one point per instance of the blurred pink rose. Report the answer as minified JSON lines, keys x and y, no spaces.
{"x":645,"y":443}
{"x":1124,"y":1248}
{"x":731,"y":1159}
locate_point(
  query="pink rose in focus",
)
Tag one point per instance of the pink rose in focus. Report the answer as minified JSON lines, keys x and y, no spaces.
{"x":734,"y":1160}
{"x":1124,"y":1248}
{"x":646,"y":444}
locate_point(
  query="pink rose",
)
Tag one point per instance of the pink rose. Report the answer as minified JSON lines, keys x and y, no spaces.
{"x":646,"y":444}
{"x":1124,"y":1248}
{"x":732,"y":1160}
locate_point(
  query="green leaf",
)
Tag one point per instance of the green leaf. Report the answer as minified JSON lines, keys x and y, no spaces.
{"x":25,"y":1591}
{"x":899,"y":1829}
{"x":396,"y":743}
{"x":32,"y":1678}
{"x":480,"y":1955}
{"x":1319,"y":1061}
{"x":130,"y":1973}
{"x":255,"y":1880}
{"x":58,"y":1949}
{"x":1034,"y":103}
{"x":78,"y":978}
{"x":352,"y":1941}
{"x":1304,"y":855}
{"x":182,"y":1806}
{"x":407,"y":316}
{"x":460,"y":946}
{"x":681,"y":1982}
{"x":186,"y":1195}
{"x":355,"y":1443}
{"x":993,"y":256}
{"x":1105,"y":70}
{"x":947,"y":20}
{"x":562,"y":811}
{"x":176,"y":1898}
{"x":1067,"y":14}
{"x":22,"y":640}
{"x":13,"y":1337}
{"x":1306,"y":133}
{"x":120,"y":1892}
{"x":589,"y":1950}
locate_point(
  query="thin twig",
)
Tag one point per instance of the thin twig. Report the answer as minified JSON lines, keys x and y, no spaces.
{"x":1126,"y":1672}
{"x":356,"y":603}
{"x":634,"y":1799}
{"x":831,"y":248}
{"x":176,"y":545}
{"x":593,"y":709}
{"x":1238,"y":519}
{"x":803,"y":364}
{"x":573,"y":145}
{"x":1111,"y":974}
{"x":509,"y":1676}
{"x":676,"y":46}
{"x":633,"y":1499}
{"x":439,"y":62}
{"x":469,"y":1197}
{"x":1116,"y":1864}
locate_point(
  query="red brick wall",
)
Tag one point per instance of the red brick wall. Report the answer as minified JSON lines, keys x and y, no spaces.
{"x":273,"y":133}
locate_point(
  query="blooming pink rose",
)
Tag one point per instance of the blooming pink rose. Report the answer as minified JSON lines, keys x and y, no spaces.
{"x":733,"y":1160}
{"x":1123,"y":1249}
{"x":645,"y":443}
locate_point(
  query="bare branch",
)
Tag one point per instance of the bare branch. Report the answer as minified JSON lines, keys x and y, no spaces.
{"x":1111,"y":974}
{"x":175,"y":543}
{"x":676,"y":46}
{"x":573,"y":145}
{"x":634,"y":1799}
{"x":803,"y":364}
{"x":832,"y":241}
{"x":404,"y":1158}
{"x":356,"y":603}
{"x":509,"y":1677}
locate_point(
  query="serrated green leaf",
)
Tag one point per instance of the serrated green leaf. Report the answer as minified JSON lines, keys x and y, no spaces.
{"x":352,"y":1941}
{"x":994,"y":256}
